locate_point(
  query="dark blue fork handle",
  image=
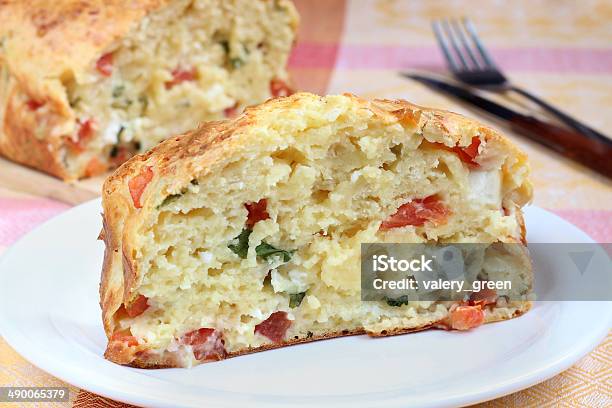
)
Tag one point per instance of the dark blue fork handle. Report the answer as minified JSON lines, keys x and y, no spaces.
{"x":568,"y":120}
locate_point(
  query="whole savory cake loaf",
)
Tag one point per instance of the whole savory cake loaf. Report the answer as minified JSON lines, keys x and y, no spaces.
{"x":245,"y":234}
{"x":84,"y":85}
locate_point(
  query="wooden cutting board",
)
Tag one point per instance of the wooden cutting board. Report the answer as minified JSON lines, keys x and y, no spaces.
{"x":21,"y":179}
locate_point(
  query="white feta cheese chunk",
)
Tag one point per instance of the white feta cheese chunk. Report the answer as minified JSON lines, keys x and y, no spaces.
{"x":110,"y":133}
{"x":485,"y":187}
{"x":295,"y":281}
{"x":206,"y":257}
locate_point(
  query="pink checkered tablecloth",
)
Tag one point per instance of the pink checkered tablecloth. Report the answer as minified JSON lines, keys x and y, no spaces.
{"x":560,"y":50}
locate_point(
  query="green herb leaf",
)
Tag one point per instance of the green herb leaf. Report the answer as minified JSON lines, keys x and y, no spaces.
{"x":225,"y":45}
{"x":119,"y":133}
{"x":266,"y":251}
{"x":74,"y":102}
{"x":242,"y":247}
{"x":309,"y":335}
{"x":169,"y":199}
{"x":236,"y":62}
{"x":118,"y":91}
{"x":397,"y":302}
{"x":194,"y":182}
{"x":144,"y":102}
{"x":295,"y":299}
{"x":263,"y":250}
{"x":122,"y":104}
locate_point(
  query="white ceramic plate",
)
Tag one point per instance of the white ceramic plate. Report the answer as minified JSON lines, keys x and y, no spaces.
{"x":49,"y":313}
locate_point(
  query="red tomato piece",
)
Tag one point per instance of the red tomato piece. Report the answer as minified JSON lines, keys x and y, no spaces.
{"x":417,"y":212}
{"x":124,"y":337}
{"x":33,"y":104}
{"x":207,"y":344}
{"x":483,"y":297}
{"x":408,"y":117}
{"x":468,"y":154}
{"x":274,"y":327}
{"x":257,"y":212}
{"x":104,"y":65}
{"x":181,"y":75}
{"x":123,"y":154}
{"x":138,"y":306}
{"x":95,"y":167}
{"x":279,"y":87}
{"x":231,"y":111}
{"x":138,"y":184}
{"x":86,"y":130}
{"x":466,"y":317}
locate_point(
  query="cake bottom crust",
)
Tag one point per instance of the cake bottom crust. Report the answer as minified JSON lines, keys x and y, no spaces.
{"x":146,"y":359}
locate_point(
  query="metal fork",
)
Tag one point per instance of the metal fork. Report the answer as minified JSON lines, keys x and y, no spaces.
{"x":471,"y":64}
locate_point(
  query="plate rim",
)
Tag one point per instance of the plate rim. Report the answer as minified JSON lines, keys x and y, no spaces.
{"x":532,"y":377}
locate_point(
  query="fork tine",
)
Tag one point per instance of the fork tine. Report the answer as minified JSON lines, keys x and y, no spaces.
{"x":435,"y":25}
{"x":464,"y":43}
{"x":471,"y":30}
{"x":453,"y":42}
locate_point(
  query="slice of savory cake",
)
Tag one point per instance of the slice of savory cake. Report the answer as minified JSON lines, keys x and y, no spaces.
{"x":245,"y":234}
{"x":86,"y":85}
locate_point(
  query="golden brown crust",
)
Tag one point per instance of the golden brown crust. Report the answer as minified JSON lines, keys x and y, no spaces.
{"x":18,"y":141}
{"x":46,"y":40}
{"x":139,"y":358}
{"x":177,"y":161}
